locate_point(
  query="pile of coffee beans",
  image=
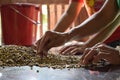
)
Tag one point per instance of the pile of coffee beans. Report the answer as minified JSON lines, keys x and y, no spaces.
{"x":13,"y":55}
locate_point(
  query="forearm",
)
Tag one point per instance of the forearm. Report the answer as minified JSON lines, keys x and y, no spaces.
{"x":95,"y":23}
{"x":104,"y":34}
{"x":64,"y":23}
{"x":68,"y":16}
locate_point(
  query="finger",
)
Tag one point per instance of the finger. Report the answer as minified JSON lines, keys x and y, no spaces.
{"x":43,"y":41}
{"x":76,"y":51}
{"x":84,"y":54}
{"x":68,"y":50}
{"x":68,"y":45}
{"x":106,"y":56}
{"x":43,"y":54}
{"x":97,"y":59}
{"x":73,"y":51}
{"x":96,"y":45}
{"x":105,"y":48}
{"x":63,"y":49}
{"x":89,"y":57}
{"x":38,"y":43}
{"x":42,"y":45}
{"x":34,"y":47}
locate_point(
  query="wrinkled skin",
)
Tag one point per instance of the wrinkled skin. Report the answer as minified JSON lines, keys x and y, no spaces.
{"x":72,"y":48}
{"x":92,"y":25}
{"x":49,"y":40}
{"x":98,"y":52}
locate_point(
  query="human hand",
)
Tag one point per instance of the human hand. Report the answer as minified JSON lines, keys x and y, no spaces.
{"x":72,"y":48}
{"x":49,"y":40}
{"x":99,"y":52}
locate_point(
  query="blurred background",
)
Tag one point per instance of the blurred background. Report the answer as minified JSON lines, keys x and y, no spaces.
{"x":49,"y":13}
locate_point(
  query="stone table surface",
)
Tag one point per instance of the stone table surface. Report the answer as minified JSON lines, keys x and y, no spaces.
{"x":44,"y":73}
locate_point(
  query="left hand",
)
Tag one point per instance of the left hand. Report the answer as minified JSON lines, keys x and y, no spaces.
{"x":72,"y":48}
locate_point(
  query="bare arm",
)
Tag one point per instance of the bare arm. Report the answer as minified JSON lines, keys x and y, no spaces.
{"x":97,"y":21}
{"x":68,"y":16}
{"x":99,"y":37}
{"x":103,"y":34}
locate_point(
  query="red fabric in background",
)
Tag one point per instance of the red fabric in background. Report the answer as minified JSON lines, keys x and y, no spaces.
{"x":98,"y":4}
{"x":115,"y":36}
{"x":78,"y":0}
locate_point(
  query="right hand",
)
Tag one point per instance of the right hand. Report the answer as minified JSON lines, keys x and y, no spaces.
{"x":49,"y":40}
{"x":98,"y":52}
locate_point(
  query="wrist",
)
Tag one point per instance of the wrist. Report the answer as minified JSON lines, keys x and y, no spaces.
{"x":68,"y":36}
{"x":71,"y":36}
